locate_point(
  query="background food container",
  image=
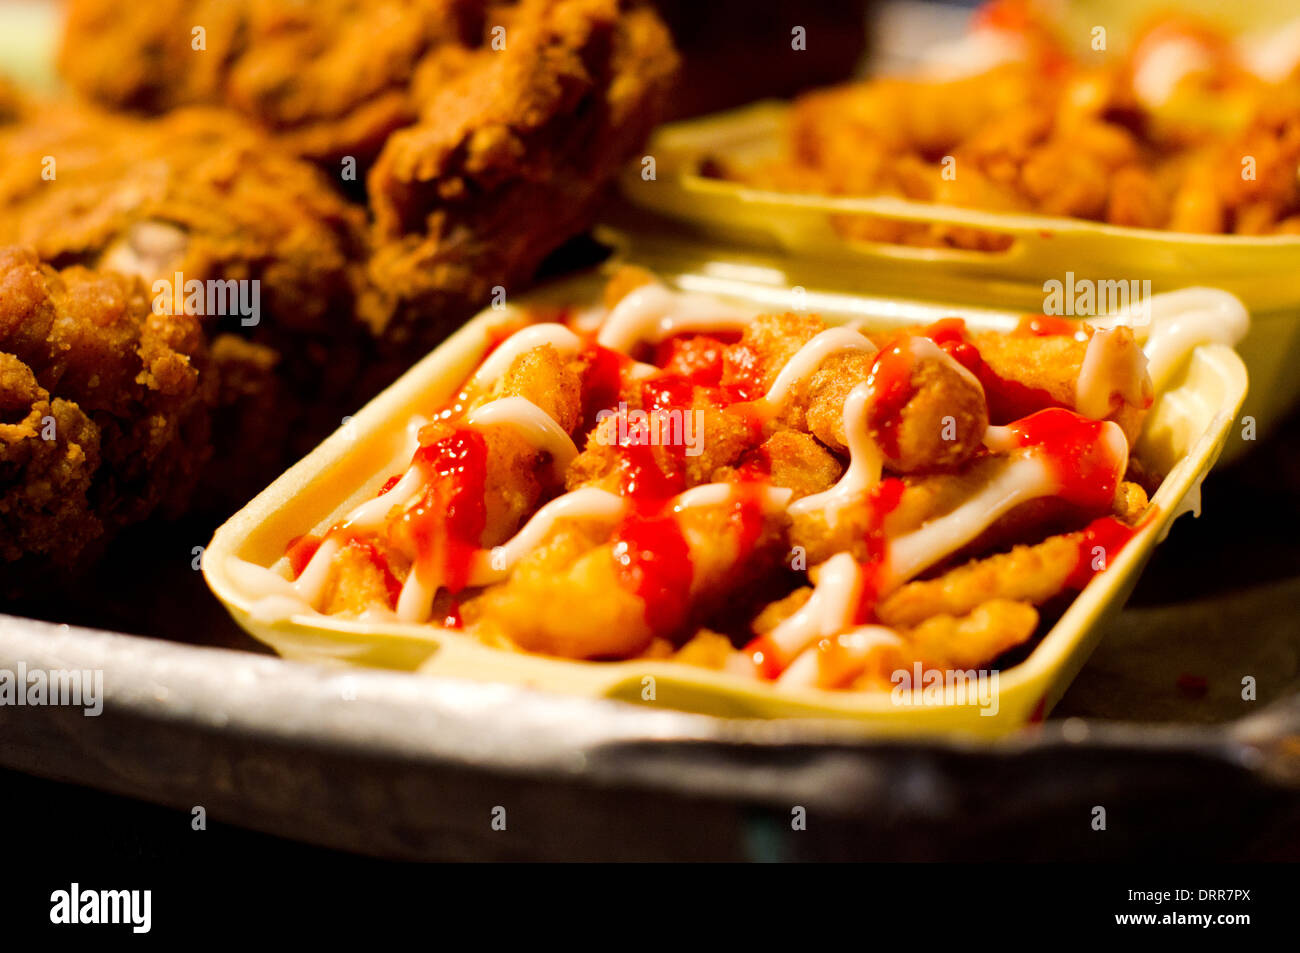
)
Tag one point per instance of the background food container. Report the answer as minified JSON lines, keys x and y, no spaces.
{"x":1261,"y":271}
{"x":1183,"y":436}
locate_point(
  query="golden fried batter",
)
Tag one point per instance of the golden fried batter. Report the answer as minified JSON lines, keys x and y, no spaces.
{"x":198,"y":195}
{"x":512,"y":151}
{"x":108,"y":403}
{"x":330,"y":79}
{"x":1052,"y":135}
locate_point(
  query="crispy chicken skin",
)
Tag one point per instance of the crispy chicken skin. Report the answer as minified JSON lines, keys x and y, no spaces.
{"x":106,"y":407}
{"x":197,"y":193}
{"x":484,"y":132}
{"x":330,"y":78}
{"x":512,"y":150}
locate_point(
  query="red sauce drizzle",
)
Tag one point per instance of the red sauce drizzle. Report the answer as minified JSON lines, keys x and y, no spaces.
{"x":1108,"y":533}
{"x":300,"y":551}
{"x":392,"y":585}
{"x":766,"y":658}
{"x":698,"y":358}
{"x":743,"y":371}
{"x":1008,"y":400}
{"x":452,"y":619}
{"x":882,"y":500}
{"x":447,"y":523}
{"x":890,"y":382}
{"x":601,"y":383}
{"x":1086,"y":470}
{"x":654,"y":562}
{"x":1043,"y":325}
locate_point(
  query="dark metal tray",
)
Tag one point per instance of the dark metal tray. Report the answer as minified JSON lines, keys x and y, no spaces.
{"x":1155,"y":730}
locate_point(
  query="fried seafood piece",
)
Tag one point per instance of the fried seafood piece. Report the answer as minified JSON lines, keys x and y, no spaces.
{"x":926,"y":411}
{"x":681,"y":449}
{"x":951,"y":643}
{"x":126,"y":395}
{"x":790,"y":459}
{"x":512,"y":150}
{"x":1033,"y":574}
{"x":867,"y":657}
{"x":1056,"y":370}
{"x":587,"y":594}
{"x":328,"y":79}
{"x":197,"y":195}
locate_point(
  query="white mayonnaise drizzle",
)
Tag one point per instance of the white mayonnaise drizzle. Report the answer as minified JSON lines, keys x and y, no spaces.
{"x":1272,"y":54}
{"x":587,"y":503}
{"x":716,"y":494}
{"x":830,"y":608}
{"x":1020,"y":479}
{"x":652,"y":313}
{"x":807,"y":360}
{"x":865,"y":462}
{"x":498,"y":362}
{"x":857,"y":645}
{"x":533,"y":423}
{"x":1164,"y":65}
{"x":1173,"y":324}
{"x":923,"y":349}
{"x":1111,"y":368}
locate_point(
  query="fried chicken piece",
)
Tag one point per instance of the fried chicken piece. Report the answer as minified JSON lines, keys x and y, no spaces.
{"x":565,"y":598}
{"x":329,"y":79}
{"x":676,"y":459}
{"x":926,"y":411}
{"x":515,"y":480}
{"x":117,"y":403}
{"x":1055,"y":137}
{"x":364,"y":574}
{"x":197,"y":194}
{"x":512,"y":151}
{"x":45,"y":506}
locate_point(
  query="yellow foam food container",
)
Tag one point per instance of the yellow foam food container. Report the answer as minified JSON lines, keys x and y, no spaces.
{"x":1199,"y":393}
{"x":1261,"y":271}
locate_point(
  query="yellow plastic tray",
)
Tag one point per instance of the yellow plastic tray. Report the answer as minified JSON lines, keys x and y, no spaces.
{"x":1264,"y":272}
{"x":1183,"y":436}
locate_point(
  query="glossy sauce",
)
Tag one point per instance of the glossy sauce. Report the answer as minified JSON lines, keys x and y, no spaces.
{"x":654,"y":562}
{"x":446,"y":526}
{"x":890,"y":386}
{"x":1007,"y":400}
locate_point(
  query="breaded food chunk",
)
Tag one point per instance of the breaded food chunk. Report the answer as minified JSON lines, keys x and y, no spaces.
{"x":512,"y":150}
{"x":45,"y":506}
{"x":126,"y":395}
{"x":198,"y":200}
{"x":330,"y":78}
